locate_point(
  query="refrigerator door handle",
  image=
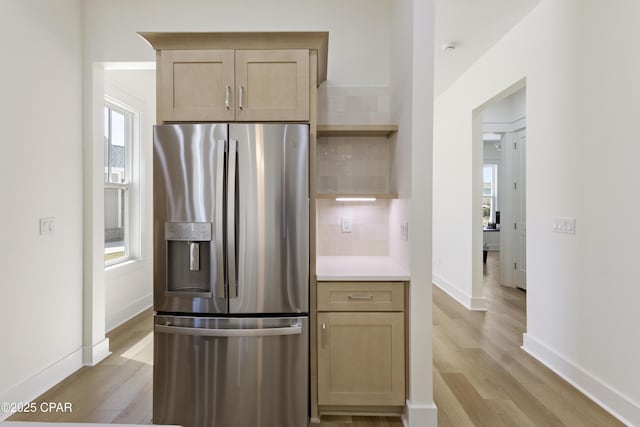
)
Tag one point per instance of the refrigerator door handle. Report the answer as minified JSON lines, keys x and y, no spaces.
{"x":232,"y":272}
{"x":219,"y":214}
{"x":203,"y":332}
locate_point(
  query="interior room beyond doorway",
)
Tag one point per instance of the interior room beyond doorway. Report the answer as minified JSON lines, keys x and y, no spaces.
{"x":503,"y":189}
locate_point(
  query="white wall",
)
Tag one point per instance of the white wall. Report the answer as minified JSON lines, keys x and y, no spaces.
{"x":506,"y":110}
{"x":412,"y":108}
{"x":582,"y":289}
{"x":129,"y":287}
{"x":41,"y":276}
{"x":401,"y":114}
{"x":358,"y":29}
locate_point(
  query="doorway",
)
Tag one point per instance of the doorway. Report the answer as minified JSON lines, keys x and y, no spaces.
{"x":502,"y":190}
{"x":111,"y":97}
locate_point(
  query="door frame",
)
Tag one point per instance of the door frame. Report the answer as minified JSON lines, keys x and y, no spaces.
{"x":478,"y":129}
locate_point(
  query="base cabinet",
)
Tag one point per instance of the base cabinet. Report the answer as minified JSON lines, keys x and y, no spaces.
{"x":361,"y":359}
{"x":361,"y":345}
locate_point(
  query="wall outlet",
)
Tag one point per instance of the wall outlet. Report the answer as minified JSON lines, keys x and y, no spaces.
{"x":47,"y":225}
{"x":404,"y":231}
{"x":347,"y":224}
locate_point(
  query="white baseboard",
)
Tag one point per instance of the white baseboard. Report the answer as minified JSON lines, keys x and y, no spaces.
{"x":96,"y":353}
{"x":114,"y":320}
{"x":33,"y":387}
{"x":601,"y":393}
{"x":471,"y":303}
{"x":420,"y":415}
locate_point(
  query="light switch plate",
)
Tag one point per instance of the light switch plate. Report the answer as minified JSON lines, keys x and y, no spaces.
{"x":347,"y":224}
{"x":47,"y":225}
{"x":564,"y":224}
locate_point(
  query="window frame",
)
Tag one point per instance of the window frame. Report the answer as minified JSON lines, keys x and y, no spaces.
{"x":132,"y":142}
{"x":494,"y":193}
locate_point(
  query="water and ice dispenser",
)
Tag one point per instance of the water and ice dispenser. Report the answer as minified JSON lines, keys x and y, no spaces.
{"x":190,"y":260}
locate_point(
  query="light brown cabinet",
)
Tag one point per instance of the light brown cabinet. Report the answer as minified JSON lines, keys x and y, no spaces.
{"x":272,"y":85}
{"x":361,"y":344}
{"x":196,"y":85}
{"x":360,"y":296}
{"x":233,"y":85}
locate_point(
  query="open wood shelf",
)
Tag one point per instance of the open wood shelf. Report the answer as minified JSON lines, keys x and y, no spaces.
{"x":376,"y":195}
{"x":357,"y":130}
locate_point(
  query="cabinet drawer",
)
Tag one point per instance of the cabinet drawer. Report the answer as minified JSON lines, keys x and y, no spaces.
{"x":360,"y":296}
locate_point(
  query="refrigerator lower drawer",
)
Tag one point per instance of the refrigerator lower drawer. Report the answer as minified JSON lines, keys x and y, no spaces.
{"x":230,"y":372}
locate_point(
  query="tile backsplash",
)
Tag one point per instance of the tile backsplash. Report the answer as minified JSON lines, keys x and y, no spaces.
{"x":369,"y":236}
{"x":353,"y":165}
{"x":353,"y":105}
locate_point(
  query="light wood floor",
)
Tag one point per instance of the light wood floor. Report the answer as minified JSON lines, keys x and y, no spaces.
{"x":481,"y":376}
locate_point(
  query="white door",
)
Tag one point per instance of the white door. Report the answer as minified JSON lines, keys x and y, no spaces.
{"x":519,"y":210}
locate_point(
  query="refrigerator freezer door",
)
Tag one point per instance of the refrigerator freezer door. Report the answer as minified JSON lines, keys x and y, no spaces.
{"x":222,"y":372}
{"x":268,"y":236}
{"x":188,"y":184}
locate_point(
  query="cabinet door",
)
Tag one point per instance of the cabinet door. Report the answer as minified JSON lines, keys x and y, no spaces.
{"x":272,"y":85}
{"x":361,"y":359}
{"x":196,"y":85}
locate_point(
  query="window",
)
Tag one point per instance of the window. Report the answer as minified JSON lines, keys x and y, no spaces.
{"x":489,"y":193}
{"x":118,"y":172}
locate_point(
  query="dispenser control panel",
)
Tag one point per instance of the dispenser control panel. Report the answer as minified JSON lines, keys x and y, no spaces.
{"x":188,"y":231}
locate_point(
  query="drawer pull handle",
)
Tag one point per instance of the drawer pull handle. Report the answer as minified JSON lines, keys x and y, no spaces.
{"x":361,"y":297}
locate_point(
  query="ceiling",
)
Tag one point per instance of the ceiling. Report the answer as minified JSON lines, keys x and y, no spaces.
{"x":475,"y":26}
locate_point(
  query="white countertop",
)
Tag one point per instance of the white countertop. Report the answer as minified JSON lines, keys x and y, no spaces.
{"x":370,"y":268}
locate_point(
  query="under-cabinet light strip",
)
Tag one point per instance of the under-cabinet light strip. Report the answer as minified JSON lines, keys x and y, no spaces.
{"x":355,"y":199}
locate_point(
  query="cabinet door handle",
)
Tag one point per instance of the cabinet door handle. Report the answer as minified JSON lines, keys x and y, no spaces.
{"x":324,"y":335}
{"x":361,"y":297}
{"x":227,"y":97}
{"x":240,"y":97}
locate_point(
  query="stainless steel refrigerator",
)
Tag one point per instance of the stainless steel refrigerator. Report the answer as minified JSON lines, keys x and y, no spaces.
{"x":231,"y":275}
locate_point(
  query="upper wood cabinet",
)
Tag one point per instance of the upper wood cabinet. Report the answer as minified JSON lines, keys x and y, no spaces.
{"x":272,"y":85}
{"x":196,"y":85}
{"x":238,"y":76}
{"x":234,"y":85}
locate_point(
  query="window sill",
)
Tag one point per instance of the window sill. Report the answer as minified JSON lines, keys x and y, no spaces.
{"x":129,"y":264}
